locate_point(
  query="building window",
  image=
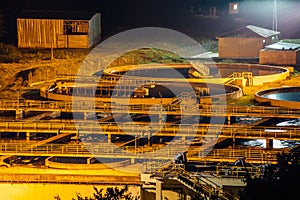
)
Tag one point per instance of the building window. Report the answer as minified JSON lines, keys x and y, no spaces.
{"x":73,"y":27}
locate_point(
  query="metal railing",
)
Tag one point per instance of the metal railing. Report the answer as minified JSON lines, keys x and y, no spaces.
{"x":237,"y":171}
{"x":106,"y":150}
{"x":198,"y":184}
{"x":187,"y":130}
{"x":202,"y":110}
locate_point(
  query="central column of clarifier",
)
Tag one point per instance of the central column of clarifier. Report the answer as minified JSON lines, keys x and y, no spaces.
{"x":27,"y":136}
{"x":132,"y":160}
{"x":228,"y":120}
{"x":19,"y":114}
{"x":233,"y":142}
{"x":90,"y":160}
{"x":108,"y":138}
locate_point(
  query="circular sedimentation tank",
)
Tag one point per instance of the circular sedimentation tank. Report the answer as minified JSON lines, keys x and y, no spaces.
{"x":208,"y":73}
{"x":203,"y":76}
{"x":288,"y":97}
{"x":63,"y":92}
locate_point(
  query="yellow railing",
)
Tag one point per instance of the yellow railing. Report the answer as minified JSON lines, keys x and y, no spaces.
{"x":199,"y":184}
{"x":202,"y":110}
{"x":237,"y":171}
{"x":106,"y":150}
{"x":187,"y":130}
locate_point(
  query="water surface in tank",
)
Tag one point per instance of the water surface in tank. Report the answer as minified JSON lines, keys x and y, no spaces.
{"x":287,"y":96}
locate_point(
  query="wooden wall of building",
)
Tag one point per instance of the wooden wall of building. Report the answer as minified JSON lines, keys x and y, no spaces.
{"x":240,"y":47}
{"x":47,"y":33}
{"x":298,"y":57}
{"x":72,"y":41}
{"x":38,"y":33}
{"x":279,"y":57}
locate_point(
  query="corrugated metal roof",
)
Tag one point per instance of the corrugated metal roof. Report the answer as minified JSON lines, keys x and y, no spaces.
{"x":283,"y":46}
{"x":262,"y":31}
{"x":46,"y":14}
{"x":250,"y":31}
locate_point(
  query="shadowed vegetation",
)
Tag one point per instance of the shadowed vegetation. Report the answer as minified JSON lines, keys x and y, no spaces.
{"x":111,"y":193}
{"x":277,"y":182}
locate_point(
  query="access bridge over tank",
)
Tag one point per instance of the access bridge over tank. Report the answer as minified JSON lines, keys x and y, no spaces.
{"x":22,"y":106}
{"x":172,"y":130}
{"x":105,"y":150}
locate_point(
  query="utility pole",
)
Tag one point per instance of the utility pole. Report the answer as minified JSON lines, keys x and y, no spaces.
{"x":275,"y":28}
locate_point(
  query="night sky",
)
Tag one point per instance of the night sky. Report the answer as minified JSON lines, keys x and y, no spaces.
{"x":122,"y":15}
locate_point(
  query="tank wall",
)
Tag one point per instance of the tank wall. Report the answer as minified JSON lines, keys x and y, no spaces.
{"x":275,"y":102}
{"x":99,"y":166}
{"x":260,"y":80}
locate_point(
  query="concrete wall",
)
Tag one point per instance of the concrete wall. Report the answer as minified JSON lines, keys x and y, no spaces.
{"x":95,"y":29}
{"x":68,"y":178}
{"x":279,"y":57}
{"x":260,"y":80}
{"x":60,"y":165}
{"x":240,"y":47}
{"x":61,"y":97}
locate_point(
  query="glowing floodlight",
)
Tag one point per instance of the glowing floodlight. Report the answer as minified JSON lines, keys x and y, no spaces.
{"x":233,"y":8}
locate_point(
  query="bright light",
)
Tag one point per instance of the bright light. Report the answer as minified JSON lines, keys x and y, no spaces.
{"x":235,"y":6}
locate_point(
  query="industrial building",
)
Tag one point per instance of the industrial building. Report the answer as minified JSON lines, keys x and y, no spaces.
{"x":245,"y":42}
{"x":48,"y":29}
{"x":280,"y":53}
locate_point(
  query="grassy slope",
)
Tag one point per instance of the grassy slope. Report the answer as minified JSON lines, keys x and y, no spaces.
{"x":27,"y":67}
{"x":14,"y":76}
{"x":295,"y":41}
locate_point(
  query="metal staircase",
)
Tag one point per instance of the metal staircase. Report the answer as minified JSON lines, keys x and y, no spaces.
{"x":240,"y":76}
{"x":196,"y":183}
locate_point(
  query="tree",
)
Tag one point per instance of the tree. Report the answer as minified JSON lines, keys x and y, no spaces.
{"x":113,"y":193}
{"x":278,"y":181}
